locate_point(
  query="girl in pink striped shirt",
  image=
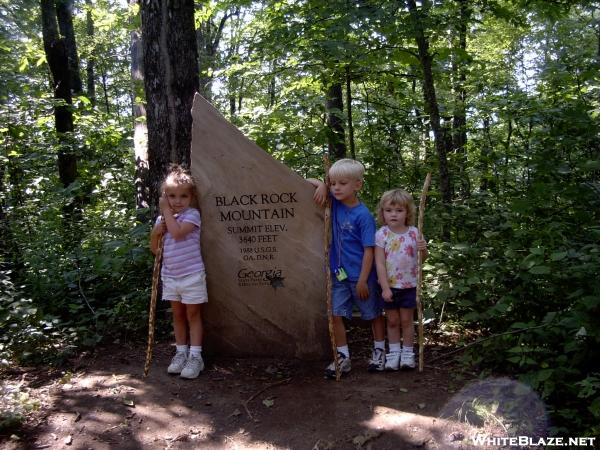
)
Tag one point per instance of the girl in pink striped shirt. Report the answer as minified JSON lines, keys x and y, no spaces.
{"x":182,"y":273}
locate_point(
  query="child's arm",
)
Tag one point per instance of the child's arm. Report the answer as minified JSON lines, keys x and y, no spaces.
{"x":320,"y":195}
{"x":382,"y":274}
{"x":177,"y":230}
{"x":362,"y":287}
{"x":157,"y":231}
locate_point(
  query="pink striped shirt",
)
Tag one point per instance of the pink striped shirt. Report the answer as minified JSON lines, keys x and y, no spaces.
{"x":182,"y":257}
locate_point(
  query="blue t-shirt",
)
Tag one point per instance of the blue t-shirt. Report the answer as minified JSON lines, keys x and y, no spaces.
{"x":352,"y":229}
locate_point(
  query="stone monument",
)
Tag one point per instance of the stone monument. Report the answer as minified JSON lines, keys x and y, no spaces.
{"x":262,"y":244}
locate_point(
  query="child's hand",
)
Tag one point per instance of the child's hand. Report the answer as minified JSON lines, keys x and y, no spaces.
{"x":387,"y":295}
{"x":362,"y":289}
{"x":320,"y":195}
{"x":161,"y":228}
{"x":163,"y":203}
{"x":421,"y":244}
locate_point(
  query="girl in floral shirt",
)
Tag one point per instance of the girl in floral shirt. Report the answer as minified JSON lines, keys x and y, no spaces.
{"x":396,"y":247}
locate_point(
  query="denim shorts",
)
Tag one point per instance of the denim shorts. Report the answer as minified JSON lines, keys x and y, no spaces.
{"x":344,"y":296}
{"x":402,"y":298}
{"x":189,"y":289}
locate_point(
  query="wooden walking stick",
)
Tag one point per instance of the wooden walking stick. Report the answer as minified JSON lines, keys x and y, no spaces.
{"x":152,"y":312}
{"x":420,"y":268}
{"x":327,"y":242}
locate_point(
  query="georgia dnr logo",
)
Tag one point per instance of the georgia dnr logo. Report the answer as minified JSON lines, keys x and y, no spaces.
{"x":261,"y":277}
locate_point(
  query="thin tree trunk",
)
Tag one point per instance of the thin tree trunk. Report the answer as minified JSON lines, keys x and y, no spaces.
{"x":64,"y":11}
{"x":334,"y":105}
{"x":459,"y":123}
{"x":431,"y":103}
{"x":105,"y":90}
{"x":349,"y":109}
{"x":90,"y":65}
{"x":140,"y":130}
{"x":56,"y":55}
{"x":208,"y":37}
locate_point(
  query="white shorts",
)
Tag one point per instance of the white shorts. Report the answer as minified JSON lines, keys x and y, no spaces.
{"x":189,"y":289}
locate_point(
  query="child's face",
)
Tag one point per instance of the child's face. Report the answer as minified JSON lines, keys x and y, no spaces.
{"x":344,"y":189}
{"x":394,"y":215}
{"x":179,"y":197}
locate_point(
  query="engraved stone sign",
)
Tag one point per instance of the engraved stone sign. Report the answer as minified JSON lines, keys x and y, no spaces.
{"x":262,"y":244}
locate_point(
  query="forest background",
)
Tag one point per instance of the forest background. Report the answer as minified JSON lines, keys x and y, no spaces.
{"x":499,"y":99}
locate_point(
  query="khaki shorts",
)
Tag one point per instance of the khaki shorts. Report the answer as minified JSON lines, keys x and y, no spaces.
{"x":189,"y":289}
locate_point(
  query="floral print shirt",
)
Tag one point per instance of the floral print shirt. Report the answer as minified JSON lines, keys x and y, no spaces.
{"x":400,"y":256}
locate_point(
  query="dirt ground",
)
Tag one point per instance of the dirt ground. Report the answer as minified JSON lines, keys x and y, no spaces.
{"x":104,"y":402}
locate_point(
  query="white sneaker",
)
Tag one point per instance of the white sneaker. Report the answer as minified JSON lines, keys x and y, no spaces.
{"x":377,"y":362}
{"x":392,"y":361}
{"x":407,"y":360}
{"x":177,"y":363}
{"x":344,"y":364}
{"x":193,"y":366}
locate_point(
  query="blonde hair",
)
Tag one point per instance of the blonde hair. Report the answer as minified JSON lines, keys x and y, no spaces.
{"x":347,"y":168}
{"x":178,"y":175}
{"x":397,"y":197}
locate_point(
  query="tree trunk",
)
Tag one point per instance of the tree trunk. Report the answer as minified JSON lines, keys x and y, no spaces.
{"x":90,"y":69}
{"x":56,"y":55}
{"x":170,"y":80}
{"x":64,"y":11}
{"x":431,"y":103}
{"x":140,"y":130}
{"x":334,"y":105}
{"x":459,"y":123}
{"x":208,"y":37}
{"x":349,"y":109}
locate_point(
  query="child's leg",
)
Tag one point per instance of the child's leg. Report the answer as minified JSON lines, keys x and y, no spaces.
{"x":339,"y":331}
{"x":194,"y":364}
{"x":378,"y":329}
{"x":407,"y":359}
{"x":179,"y":322}
{"x":180,"y":329}
{"x":194,"y":320}
{"x":408,"y":330}
{"x":393,"y":326}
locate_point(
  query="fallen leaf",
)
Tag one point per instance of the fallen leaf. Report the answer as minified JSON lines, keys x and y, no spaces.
{"x":128,"y":402}
{"x":268,"y":402}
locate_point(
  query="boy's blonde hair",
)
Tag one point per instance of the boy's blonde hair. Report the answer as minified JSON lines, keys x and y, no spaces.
{"x":178,"y":175}
{"x":347,"y":167}
{"x":397,"y":197}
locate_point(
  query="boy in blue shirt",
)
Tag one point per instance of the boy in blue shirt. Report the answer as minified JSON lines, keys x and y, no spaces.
{"x":354,"y":280}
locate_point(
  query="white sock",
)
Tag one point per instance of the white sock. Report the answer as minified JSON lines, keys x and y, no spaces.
{"x":344,"y":350}
{"x":407,"y":349}
{"x":181,"y":348}
{"x":195,"y":350}
{"x":379,"y":344}
{"x":395,"y":348}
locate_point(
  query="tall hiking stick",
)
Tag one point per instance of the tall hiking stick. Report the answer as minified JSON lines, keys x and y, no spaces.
{"x":153,"y":296}
{"x":420,"y":267}
{"x":327,"y":242}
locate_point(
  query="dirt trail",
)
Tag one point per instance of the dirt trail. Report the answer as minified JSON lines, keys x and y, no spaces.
{"x":238,"y":404}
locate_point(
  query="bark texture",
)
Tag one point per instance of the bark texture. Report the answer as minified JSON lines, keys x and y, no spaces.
{"x":334,"y":105}
{"x":56,"y":55}
{"x":170,"y":81}
{"x":431,"y":103}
